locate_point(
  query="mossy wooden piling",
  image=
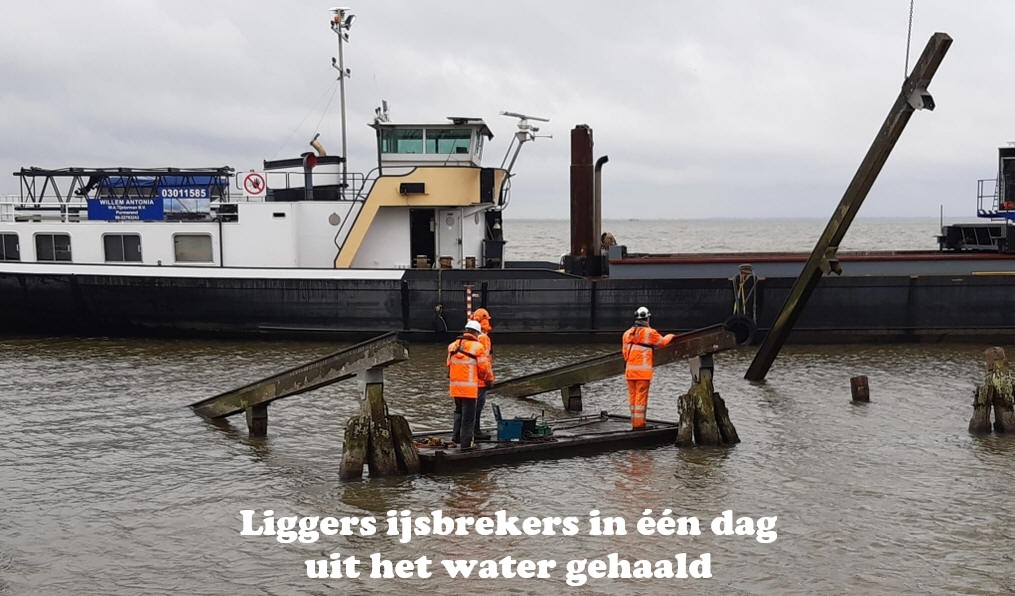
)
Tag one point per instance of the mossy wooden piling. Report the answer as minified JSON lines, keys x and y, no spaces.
{"x":354,"y":448}
{"x":377,"y":439}
{"x":704,"y":419}
{"x":995,"y":392}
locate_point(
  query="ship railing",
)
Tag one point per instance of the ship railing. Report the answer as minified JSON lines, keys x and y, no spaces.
{"x":356,"y":181}
{"x":16,"y":208}
{"x":7,"y":208}
{"x":987,"y":199}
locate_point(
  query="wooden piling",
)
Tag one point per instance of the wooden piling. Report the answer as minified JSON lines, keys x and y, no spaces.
{"x":405,"y":451}
{"x":722,"y":418}
{"x":354,"y":448}
{"x":572,"y":398}
{"x":859,"y":388}
{"x":257,"y":420}
{"x":996,"y":392}
{"x":381,"y":459}
{"x":704,"y":419}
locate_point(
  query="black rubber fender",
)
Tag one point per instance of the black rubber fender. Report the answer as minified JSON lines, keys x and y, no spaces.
{"x":741,"y":327}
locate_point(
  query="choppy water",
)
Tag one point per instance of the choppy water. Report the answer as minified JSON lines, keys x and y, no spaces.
{"x":110,"y":485}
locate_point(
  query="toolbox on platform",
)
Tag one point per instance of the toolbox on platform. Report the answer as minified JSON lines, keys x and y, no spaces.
{"x":513,"y":429}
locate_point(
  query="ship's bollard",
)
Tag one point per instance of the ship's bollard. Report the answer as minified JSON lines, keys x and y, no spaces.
{"x":859,"y":388}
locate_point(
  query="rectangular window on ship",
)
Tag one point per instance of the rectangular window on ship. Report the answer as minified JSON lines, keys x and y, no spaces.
{"x":402,"y":140}
{"x":122,"y":248}
{"x":447,"y":142}
{"x":192,"y":248}
{"x":10,"y":249}
{"x":52,"y":247}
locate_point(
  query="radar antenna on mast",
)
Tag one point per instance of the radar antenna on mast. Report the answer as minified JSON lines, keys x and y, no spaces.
{"x":526,"y":132}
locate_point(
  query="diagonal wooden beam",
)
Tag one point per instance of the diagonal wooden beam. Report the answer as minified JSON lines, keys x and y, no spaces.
{"x":378,"y":352}
{"x":693,"y":343}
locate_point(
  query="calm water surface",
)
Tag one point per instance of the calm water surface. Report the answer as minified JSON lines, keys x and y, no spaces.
{"x":110,"y":485}
{"x":549,"y":239}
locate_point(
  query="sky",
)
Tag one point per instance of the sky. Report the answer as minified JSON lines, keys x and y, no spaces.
{"x":706,"y":109}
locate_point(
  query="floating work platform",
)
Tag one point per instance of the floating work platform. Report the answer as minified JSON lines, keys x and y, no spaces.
{"x":570,"y":436}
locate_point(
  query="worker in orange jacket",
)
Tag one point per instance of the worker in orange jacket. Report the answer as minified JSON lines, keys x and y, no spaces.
{"x":468,"y":364}
{"x":638,"y":345}
{"x":483,"y":317}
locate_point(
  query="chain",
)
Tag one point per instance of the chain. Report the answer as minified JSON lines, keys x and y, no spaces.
{"x":909,"y":35}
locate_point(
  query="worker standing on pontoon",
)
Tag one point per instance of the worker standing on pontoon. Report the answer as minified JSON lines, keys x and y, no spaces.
{"x":467,"y":364}
{"x":638,"y":345}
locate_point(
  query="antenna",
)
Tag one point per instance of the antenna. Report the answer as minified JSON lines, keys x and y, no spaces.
{"x":341,"y":22}
{"x":381,"y":113}
{"x":526,"y":132}
{"x":523,"y":120}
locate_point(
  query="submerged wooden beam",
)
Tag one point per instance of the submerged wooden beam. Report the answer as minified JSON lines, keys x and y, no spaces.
{"x":823,"y":259}
{"x":693,"y":343}
{"x":378,"y":352}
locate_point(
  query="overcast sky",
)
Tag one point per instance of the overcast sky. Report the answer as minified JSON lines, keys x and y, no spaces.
{"x":718,"y":108}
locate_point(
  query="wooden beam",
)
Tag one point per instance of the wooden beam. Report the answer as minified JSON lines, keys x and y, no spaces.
{"x":693,"y":343}
{"x":823,"y":258}
{"x":378,"y":352}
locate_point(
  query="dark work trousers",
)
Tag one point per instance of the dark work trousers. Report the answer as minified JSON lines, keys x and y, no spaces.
{"x":480,"y":402}
{"x":465,"y":427}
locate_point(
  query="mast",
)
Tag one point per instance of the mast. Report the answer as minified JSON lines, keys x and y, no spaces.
{"x":341,"y":22}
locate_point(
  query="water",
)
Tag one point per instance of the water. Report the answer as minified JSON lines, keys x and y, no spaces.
{"x":110,"y":485}
{"x":549,"y":239}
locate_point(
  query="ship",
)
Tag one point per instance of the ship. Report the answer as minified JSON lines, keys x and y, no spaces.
{"x":303,"y":247}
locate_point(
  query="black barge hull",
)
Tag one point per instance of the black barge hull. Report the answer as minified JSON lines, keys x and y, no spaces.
{"x":528,"y":305}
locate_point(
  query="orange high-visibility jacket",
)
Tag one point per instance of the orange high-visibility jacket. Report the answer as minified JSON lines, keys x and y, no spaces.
{"x":468,"y":363}
{"x":639,"y":341}
{"x":485,"y":340}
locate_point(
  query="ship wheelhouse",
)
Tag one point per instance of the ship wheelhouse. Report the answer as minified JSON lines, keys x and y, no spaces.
{"x":431,"y":204}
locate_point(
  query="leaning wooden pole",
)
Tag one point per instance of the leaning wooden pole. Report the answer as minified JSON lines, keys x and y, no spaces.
{"x":823,"y":259}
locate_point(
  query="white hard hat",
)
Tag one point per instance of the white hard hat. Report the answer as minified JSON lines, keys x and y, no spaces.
{"x":642,"y":313}
{"x":474,"y":326}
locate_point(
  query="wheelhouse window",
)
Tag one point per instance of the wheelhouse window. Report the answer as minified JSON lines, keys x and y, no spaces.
{"x":430,"y":141}
{"x":10,"y":249}
{"x":122,"y":248}
{"x":52,"y":247}
{"x":192,"y":248}
{"x":448,"y":141}
{"x":402,"y":140}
